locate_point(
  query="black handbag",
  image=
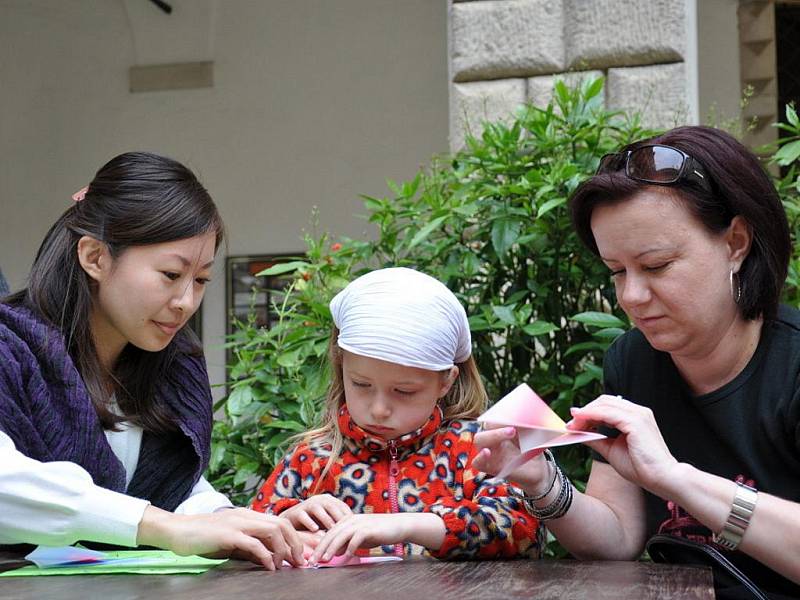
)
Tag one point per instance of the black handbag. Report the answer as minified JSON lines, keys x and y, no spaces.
{"x":729,"y":581}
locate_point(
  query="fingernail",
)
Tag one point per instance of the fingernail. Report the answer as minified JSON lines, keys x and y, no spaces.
{"x":573,"y":410}
{"x":326,"y":557}
{"x":509,"y":431}
{"x":570,"y":422}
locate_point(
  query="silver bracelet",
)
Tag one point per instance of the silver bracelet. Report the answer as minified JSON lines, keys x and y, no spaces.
{"x":558,"y":507}
{"x":548,"y":456}
{"x":744,"y":503}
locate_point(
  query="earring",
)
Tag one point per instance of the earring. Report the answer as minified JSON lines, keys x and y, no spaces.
{"x":736,"y":293}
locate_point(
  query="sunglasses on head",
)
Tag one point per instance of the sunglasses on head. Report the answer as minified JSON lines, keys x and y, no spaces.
{"x":657,"y":164}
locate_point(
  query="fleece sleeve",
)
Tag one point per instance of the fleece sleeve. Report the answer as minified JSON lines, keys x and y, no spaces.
{"x":489,"y":520}
{"x":285,"y":488}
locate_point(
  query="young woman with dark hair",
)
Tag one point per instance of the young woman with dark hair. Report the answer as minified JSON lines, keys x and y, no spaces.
{"x":105,"y":404}
{"x":704,"y":392}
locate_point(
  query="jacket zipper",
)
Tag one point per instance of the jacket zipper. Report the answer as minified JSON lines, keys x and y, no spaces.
{"x":394,"y":471}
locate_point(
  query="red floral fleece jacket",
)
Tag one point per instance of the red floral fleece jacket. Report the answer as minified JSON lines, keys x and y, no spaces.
{"x":428,"y":470}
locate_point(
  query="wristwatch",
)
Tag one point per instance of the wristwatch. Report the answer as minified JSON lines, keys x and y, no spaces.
{"x":744,"y":503}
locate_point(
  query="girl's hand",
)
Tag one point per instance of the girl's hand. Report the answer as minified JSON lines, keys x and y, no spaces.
{"x":379,"y":529}
{"x":639,"y":453}
{"x":500,"y":446}
{"x":238,"y":533}
{"x":322,"y":511}
{"x":310,"y":542}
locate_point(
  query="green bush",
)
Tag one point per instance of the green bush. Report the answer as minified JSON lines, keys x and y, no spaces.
{"x":492,"y":223}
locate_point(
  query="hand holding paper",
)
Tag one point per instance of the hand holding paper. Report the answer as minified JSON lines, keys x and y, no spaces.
{"x":538,"y":427}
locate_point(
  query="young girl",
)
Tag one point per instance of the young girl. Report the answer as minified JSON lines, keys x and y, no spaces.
{"x":391,"y":467}
{"x":105,"y":406}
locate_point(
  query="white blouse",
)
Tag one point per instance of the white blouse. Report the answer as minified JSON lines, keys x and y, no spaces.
{"x":57,"y":503}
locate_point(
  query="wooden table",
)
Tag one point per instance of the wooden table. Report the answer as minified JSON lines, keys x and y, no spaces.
{"x":412,"y":579}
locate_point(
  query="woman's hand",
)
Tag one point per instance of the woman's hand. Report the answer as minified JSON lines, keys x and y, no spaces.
{"x":238,"y":533}
{"x":501,"y":446}
{"x":379,"y":529}
{"x":322,"y":511}
{"x":639,"y":453}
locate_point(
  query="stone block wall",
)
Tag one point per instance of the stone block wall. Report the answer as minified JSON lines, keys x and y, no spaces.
{"x":506,"y":52}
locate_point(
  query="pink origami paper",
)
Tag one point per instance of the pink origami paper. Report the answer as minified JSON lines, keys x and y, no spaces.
{"x":348,"y":561}
{"x":538,"y":427}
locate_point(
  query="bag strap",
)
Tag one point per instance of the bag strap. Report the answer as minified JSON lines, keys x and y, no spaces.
{"x":671,"y":549}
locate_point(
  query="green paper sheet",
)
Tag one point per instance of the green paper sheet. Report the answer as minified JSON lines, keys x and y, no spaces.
{"x":168,"y":563}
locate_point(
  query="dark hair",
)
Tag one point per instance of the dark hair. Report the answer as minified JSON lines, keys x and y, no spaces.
{"x":739,"y":186}
{"x":135,"y":199}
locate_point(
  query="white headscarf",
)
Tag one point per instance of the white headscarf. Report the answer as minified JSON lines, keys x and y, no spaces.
{"x":404,"y":317}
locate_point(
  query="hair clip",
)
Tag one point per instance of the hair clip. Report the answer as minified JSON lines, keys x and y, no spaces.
{"x":80,"y":194}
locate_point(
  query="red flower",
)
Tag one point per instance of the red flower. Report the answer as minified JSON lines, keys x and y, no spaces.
{"x":335,"y":247}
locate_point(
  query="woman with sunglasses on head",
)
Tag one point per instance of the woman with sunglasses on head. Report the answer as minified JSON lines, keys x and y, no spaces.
{"x":105,"y":404}
{"x":704,"y":393}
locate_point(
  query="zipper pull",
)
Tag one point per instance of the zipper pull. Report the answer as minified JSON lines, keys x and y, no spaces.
{"x":394,"y":468}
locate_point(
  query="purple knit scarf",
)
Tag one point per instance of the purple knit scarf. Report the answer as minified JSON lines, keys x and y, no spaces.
{"x":46,"y":410}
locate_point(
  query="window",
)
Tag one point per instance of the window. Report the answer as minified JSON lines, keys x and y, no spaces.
{"x":247,"y":293}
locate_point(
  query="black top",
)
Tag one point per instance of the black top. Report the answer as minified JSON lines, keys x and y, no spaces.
{"x":747,"y":430}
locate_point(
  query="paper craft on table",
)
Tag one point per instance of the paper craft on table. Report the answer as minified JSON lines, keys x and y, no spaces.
{"x":71,"y":560}
{"x":538,"y":427}
{"x":348,"y":561}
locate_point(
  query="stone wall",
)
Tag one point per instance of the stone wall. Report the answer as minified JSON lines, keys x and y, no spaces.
{"x":506,"y":52}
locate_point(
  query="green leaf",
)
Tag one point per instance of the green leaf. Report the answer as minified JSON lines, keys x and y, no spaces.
{"x":585,"y":347}
{"x":594,"y":88}
{"x":791,"y":116}
{"x":426,"y":231}
{"x":278,"y":439}
{"x":505,"y":233}
{"x":467,"y":209}
{"x":217,"y":456}
{"x":291,"y":425}
{"x":281,"y":268}
{"x":596,"y":371}
{"x":289,"y":359}
{"x":245,"y":472}
{"x":478,"y":323}
{"x":505,"y":314}
{"x":788,"y":153}
{"x":598,"y":319}
{"x":609,"y":333}
{"x":307,"y":412}
{"x":561,"y":92}
{"x":241,"y":397}
{"x":539,"y":328}
{"x":550,"y":205}
{"x":584,"y":379}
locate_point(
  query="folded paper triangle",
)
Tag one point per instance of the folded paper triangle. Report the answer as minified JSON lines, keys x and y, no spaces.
{"x":538,"y":427}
